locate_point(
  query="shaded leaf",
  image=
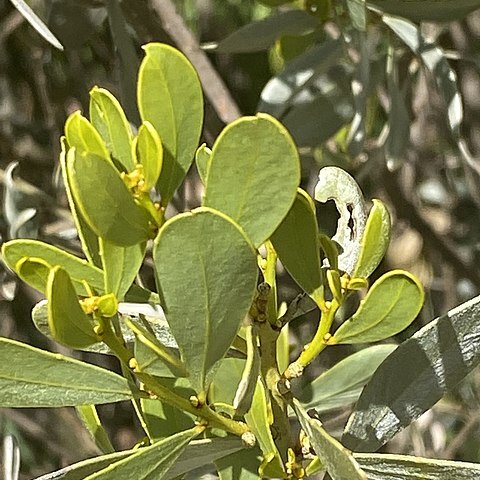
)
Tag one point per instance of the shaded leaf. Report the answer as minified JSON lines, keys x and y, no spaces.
{"x":120,"y":220}
{"x":375,"y":240}
{"x":170,"y":98}
{"x":296,"y":242}
{"x":358,"y":13}
{"x":225,"y":382}
{"x":242,"y":465}
{"x":205,"y":254}
{"x":68,"y":322}
{"x":90,"y":419}
{"x":243,"y":178}
{"x":261,"y":35}
{"x":148,"y":463}
{"x":390,"y":306}
{"x":343,"y":383}
{"x":421,"y":10}
{"x":108,"y":117}
{"x":30,"y":377}
{"x":78,"y":269}
{"x":404,"y":467}
{"x":337,"y":185}
{"x":415,"y":376}
{"x":337,"y":460}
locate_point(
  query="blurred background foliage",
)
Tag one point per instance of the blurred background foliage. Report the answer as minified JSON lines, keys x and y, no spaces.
{"x":393,"y":102}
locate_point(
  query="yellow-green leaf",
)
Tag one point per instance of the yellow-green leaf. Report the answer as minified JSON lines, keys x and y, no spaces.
{"x":149,"y":153}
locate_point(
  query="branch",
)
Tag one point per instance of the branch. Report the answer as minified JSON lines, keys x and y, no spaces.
{"x":213,"y":85}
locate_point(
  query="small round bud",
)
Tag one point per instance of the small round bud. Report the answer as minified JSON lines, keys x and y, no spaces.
{"x":248,"y":439}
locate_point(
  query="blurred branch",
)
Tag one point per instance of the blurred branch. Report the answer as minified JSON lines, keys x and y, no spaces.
{"x":11,"y":22}
{"x":213,"y":85}
{"x":408,"y":210}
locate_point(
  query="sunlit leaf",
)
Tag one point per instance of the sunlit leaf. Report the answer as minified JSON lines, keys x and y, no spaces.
{"x":202,"y":159}
{"x":149,"y":153}
{"x":30,"y":377}
{"x":243,"y":178}
{"x":391,"y":305}
{"x":108,"y":117}
{"x":205,"y":254}
{"x":342,"y":384}
{"x":170,"y":98}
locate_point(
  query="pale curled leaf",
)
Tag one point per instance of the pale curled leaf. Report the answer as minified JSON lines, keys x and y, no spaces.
{"x":30,"y":377}
{"x":415,"y":376}
{"x":337,"y":185}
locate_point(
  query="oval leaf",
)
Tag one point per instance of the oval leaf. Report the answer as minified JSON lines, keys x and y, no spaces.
{"x":78,"y":269}
{"x":243,"y":179}
{"x":34,"y":271}
{"x":119,"y":220}
{"x":391,"y":305}
{"x":375,"y":240}
{"x":205,"y":254}
{"x":108,"y":117}
{"x":149,"y":153}
{"x":415,"y":376}
{"x":150,"y":462}
{"x":337,"y":460}
{"x":296,"y":242}
{"x":121,"y":266}
{"x":343,"y":383}
{"x":30,"y":377}
{"x":170,"y":98}
{"x":82,"y":135}
{"x":67,"y":321}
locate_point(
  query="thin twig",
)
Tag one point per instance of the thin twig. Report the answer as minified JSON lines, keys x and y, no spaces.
{"x":213,"y":85}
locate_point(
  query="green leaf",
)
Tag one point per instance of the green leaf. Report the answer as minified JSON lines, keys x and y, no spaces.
{"x":196,"y":454}
{"x":337,"y":185}
{"x":121,"y":266}
{"x":202,"y":159}
{"x":170,"y":98}
{"x":343,"y":383}
{"x":243,"y":178}
{"x":34,"y":272}
{"x":405,"y":467}
{"x":205,"y":254}
{"x":163,"y":420}
{"x":421,"y":10}
{"x":283,"y":349}
{"x":90,"y":419}
{"x":262,"y":34}
{"x":30,"y":377}
{"x":296,"y":242}
{"x":225,"y":382}
{"x":149,"y":153}
{"x":259,"y":419}
{"x":33,"y":19}
{"x":337,"y":460}
{"x":375,"y":240}
{"x":415,"y":376}
{"x":242,"y":465}
{"x":69,"y":324}
{"x":78,"y":269}
{"x":119,"y":220}
{"x":82,"y":135}
{"x":391,"y":305}
{"x":109,"y":119}
{"x":150,"y":362}
{"x":148,"y":463}
{"x":87,"y":236}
